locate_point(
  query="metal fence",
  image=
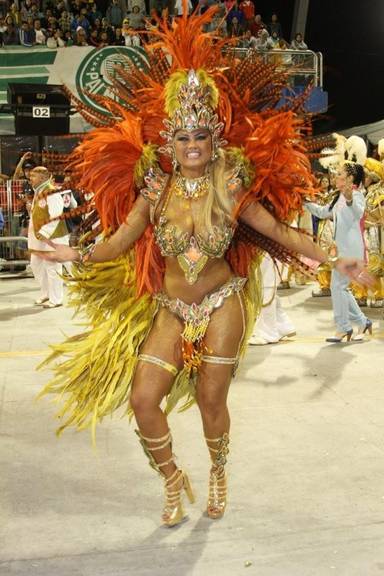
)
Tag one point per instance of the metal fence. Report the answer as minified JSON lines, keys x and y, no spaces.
{"x":302,"y":66}
{"x":14,"y":205}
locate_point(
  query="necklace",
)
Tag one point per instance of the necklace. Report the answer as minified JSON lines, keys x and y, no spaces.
{"x":191,"y":188}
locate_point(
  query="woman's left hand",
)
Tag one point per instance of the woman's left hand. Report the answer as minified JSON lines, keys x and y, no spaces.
{"x":355,"y":270}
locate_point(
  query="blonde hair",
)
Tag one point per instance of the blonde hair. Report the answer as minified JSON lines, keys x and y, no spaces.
{"x":218,"y":204}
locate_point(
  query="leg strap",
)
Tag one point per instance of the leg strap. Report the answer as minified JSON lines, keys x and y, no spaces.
{"x":220,"y":451}
{"x":219,"y":360}
{"x":159,"y":444}
{"x":158,"y":362}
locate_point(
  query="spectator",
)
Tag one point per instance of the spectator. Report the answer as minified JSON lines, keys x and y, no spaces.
{"x":273,"y":41}
{"x":39,"y":32}
{"x":136,"y":18}
{"x":51,"y":40}
{"x":3,"y":25}
{"x":275,"y":26}
{"x":282,"y":59}
{"x":94,"y":38}
{"x":80,"y":37}
{"x":298,"y":42}
{"x":83,"y":21}
{"x":76,"y":6}
{"x":248,"y":41}
{"x":94,"y":14}
{"x":46,"y":205}
{"x":228,"y":5}
{"x":119,"y":38}
{"x":68,"y":38}
{"x":256,"y":25}
{"x":127,"y":33}
{"x":115,"y":13}
{"x":105,"y":27}
{"x":35,"y":13}
{"x":2,"y":223}
{"x":52,"y":25}
{"x":238,"y":15}
{"x":45,"y":18}
{"x":97,"y":25}
{"x":65,"y":21}
{"x":247,"y":7}
{"x":262,"y":39}
{"x":11,"y":34}
{"x":58,"y":9}
{"x":16,"y":16}
{"x":179,"y":8}
{"x":104,"y":40}
{"x":26,"y":35}
{"x":26,"y":9}
{"x":235,"y":28}
{"x":75,"y":22}
{"x":59,"y":37}
{"x":139,"y":3}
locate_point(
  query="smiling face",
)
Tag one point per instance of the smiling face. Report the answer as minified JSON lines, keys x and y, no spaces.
{"x":193,"y":150}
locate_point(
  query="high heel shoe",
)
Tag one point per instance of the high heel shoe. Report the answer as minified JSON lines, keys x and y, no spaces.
{"x":362,"y":330}
{"x":173,"y":512}
{"x":217,"y":493}
{"x":337,"y":339}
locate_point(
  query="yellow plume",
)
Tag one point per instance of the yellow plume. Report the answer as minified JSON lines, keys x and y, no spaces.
{"x":178,"y":79}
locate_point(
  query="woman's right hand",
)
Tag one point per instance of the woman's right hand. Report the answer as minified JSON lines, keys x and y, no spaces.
{"x":61,"y":253}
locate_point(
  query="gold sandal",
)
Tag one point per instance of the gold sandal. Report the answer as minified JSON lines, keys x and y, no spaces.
{"x":217,"y":495}
{"x":173,"y":512}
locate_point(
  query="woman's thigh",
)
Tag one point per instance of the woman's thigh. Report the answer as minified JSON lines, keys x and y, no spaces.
{"x":222,"y":340}
{"x":152,"y":382}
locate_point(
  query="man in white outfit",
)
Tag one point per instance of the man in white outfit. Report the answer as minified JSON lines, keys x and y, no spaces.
{"x":273,"y":323}
{"x":47,"y":204}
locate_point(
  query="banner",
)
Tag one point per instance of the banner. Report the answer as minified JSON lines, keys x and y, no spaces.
{"x":80,"y":68}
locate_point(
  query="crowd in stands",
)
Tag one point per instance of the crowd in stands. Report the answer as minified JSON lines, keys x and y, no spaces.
{"x":60,"y":23}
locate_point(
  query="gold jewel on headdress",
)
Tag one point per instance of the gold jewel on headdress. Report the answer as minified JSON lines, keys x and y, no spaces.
{"x":191,"y":188}
{"x":190,"y":102}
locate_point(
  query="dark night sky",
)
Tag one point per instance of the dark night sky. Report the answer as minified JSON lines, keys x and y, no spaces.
{"x":350,"y":34}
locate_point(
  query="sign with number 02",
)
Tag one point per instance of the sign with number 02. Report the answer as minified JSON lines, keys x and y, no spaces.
{"x":41,"y":112}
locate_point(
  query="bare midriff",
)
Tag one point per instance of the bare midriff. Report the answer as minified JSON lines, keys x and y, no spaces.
{"x":216,"y":272}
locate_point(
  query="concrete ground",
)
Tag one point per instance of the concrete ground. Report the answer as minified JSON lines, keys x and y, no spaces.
{"x":306,"y":464}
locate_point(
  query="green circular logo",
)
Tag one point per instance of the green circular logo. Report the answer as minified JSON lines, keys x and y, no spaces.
{"x":99,"y":67}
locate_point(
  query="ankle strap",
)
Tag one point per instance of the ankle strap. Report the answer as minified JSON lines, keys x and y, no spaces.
{"x":160,"y":443}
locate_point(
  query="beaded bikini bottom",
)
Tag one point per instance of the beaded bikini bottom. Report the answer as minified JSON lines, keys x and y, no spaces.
{"x":196,"y":319}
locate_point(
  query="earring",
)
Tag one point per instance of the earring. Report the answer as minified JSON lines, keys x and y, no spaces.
{"x":174,"y":160}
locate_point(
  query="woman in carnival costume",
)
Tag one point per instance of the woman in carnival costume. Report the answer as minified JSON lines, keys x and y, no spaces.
{"x":172,"y":293}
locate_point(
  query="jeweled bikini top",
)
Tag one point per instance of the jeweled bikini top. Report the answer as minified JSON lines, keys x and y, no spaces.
{"x":191,"y":250}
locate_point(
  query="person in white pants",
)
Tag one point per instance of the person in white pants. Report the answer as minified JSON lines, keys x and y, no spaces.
{"x":46,"y":204}
{"x":273,"y":323}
